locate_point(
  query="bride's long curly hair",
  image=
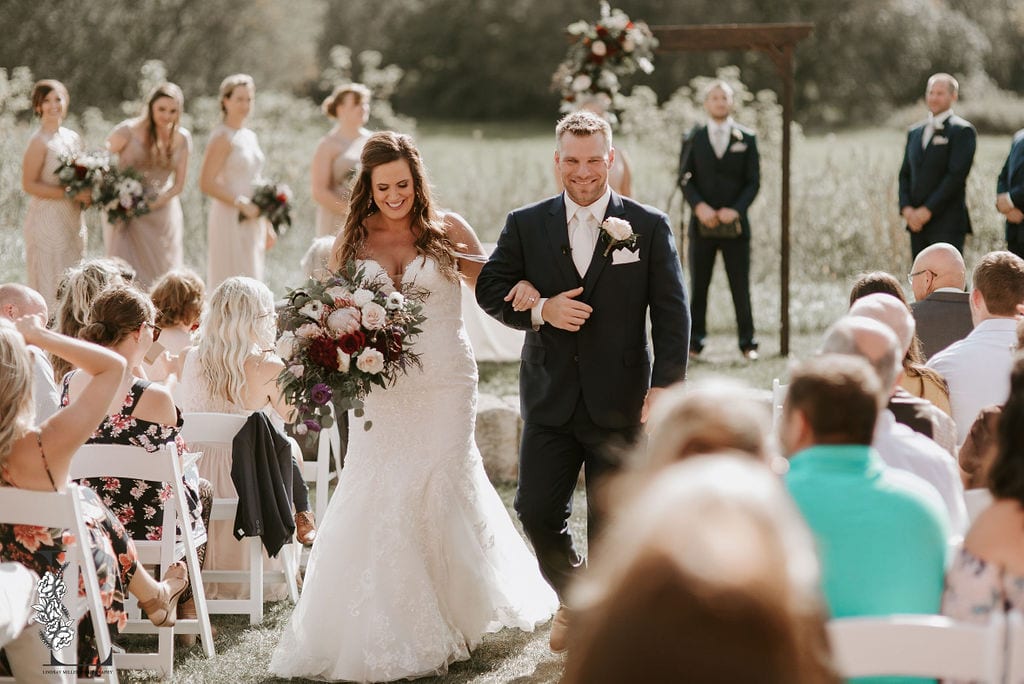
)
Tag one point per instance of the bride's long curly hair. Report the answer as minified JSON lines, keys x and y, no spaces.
{"x":427,"y":225}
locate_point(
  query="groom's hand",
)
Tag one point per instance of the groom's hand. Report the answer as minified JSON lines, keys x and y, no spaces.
{"x":564,"y":312}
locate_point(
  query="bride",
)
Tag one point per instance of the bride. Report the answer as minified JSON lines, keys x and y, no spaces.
{"x":416,"y":557}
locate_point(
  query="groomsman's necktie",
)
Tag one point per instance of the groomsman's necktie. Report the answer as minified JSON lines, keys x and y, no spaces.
{"x":582,"y":240}
{"x":720,"y":141}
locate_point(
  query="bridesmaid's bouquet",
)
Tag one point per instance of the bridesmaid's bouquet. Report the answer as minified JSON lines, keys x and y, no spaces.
{"x":275,"y":202}
{"x":84,"y":171}
{"x":124,"y":195}
{"x":343,"y":336}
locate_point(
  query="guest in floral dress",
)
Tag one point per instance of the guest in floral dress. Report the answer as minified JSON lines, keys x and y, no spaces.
{"x":143,"y":415}
{"x":988,"y":574}
{"x":38,"y":458}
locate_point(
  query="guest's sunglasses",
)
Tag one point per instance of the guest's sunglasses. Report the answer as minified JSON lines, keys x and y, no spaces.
{"x":156,"y":330}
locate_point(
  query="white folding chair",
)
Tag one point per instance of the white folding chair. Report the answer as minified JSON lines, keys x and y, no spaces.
{"x":319,"y":472}
{"x":220,"y":429}
{"x":64,"y":510}
{"x":977,"y":500}
{"x":135,"y":463}
{"x":778,"y":399}
{"x":918,"y":646}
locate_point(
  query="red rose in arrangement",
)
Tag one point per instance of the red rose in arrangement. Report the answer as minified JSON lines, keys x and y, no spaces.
{"x":352,"y":342}
{"x":324,"y":351}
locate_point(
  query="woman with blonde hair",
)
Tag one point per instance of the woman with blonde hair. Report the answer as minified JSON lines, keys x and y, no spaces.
{"x":157,"y":146}
{"x":55,"y":232}
{"x":234,"y":369}
{"x":414,"y":520}
{"x":237,"y":237}
{"x":336,"y":158}
{"x":38,"y":458}
{"x":708,"y":575}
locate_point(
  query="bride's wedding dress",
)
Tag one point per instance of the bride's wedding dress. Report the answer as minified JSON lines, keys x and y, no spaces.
{"x":416,"y":557}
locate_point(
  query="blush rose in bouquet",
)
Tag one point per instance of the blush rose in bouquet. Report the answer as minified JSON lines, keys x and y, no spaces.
{"x":341,"y":337}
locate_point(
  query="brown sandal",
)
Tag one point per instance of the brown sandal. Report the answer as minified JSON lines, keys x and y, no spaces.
{"x":162,"y":609}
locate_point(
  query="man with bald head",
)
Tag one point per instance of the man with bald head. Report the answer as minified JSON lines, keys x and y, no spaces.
{"x":942,"y":308}
{"x":899,"y":446}
{"x":16,"y":301}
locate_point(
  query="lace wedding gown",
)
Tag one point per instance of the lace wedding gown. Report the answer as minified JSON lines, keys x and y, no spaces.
{"x":416,"y":557}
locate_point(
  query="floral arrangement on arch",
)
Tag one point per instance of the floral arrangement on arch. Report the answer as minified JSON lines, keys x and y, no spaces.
{"x":341,"y":337}
{"x":600,"y":55}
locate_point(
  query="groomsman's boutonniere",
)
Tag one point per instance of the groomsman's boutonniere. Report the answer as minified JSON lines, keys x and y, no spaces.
{"x":617,"y":233}
{"x":736,"y":133}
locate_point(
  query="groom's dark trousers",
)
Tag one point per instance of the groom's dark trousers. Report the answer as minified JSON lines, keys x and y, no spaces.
{"x":581,"y":393}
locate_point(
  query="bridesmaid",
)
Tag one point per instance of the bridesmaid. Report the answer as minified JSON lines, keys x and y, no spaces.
{"x":55,"y":234}
{"x":337,"y":155}
{"x":158,"y":147}
{"x":237,"y":237}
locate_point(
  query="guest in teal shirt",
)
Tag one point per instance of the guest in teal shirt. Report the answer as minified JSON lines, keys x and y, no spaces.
{"x":881,"y":532}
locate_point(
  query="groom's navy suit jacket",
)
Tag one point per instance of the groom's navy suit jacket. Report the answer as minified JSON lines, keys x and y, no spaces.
{"x":608,"y":359}
{"x":1011,"y":180}
{"x":936,"y":176}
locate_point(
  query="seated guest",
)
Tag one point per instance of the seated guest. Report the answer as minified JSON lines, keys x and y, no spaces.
{"x":142,"y":414}
{"x":899,"y":446}
{"x":941,"y":307}
{"x":881,"y":531}
{"x":314,"y":261}
{"x":178,"y":298}
{"x":918,"y":380}
{"x":988,"y":574}
{"x":977,"y":367}
{"x":672,"y":595}
{"x":17,"y":301}
{"x":38,"y":458}
{"x":78,"y":287}
{"x":689,"y":420}
{"x":233,"y":369}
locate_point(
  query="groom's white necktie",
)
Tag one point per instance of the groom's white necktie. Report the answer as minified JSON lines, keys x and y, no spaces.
{"x":582,"y":238}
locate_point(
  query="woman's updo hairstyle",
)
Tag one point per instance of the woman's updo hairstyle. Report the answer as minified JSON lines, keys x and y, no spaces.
{"x":115,"y":314}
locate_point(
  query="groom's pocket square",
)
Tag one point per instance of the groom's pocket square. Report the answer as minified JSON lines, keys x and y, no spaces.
{"x":738,"y":147}
{"x":940,"y":140}
{"x":625,"y":256}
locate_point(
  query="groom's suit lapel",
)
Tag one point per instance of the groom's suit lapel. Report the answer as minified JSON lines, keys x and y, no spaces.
{"x":557,"y":231}
{"x":598,"y":261}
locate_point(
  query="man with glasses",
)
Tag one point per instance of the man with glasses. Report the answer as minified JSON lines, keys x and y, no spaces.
{"x":942,"y":308}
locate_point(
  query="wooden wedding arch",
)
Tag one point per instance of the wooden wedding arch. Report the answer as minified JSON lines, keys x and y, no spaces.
{"x":778,"y":41}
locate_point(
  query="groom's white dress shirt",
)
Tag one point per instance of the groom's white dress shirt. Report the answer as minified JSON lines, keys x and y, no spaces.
{"x":718,"y":134}
{"x":934,"y":121}
{"x":583,"y":223}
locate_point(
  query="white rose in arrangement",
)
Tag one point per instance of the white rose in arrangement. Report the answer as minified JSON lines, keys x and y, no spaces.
{"x":362,"y":297}
{"x":314,"y":308}
{"x":370,"y":361}
{"x":581,"y":83}
{"x":300,"y":429}
{"x":344,"y":361}
{"x":578,"y":28}
{"x":337,"y":292}
{"x":628,"y":45}
{"x":374,"y":316}
{"x":285,"y":346}
{"x":395,"y":300}
{"x":608,"y":80}
{"x":297,"y":370}
{"x":307,"y":330}
{"x":617,"y":228}
{"x":599,"y":48}
{"x":343,"y":320}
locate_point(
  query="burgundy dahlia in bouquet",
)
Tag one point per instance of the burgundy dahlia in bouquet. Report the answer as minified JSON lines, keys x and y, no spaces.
{"x":83,"y":171}
{"x":340,"y":338}
{"x":275,"y":202}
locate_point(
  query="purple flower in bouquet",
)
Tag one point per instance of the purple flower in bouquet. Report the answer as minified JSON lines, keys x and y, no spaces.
{"x":320,"y":394}
{"x":312,"y":425}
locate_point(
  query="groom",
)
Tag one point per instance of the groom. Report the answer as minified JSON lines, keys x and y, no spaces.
{"x":586,"y":380}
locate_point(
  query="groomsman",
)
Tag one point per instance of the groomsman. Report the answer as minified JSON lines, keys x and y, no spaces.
{"x":933,"y":178}
{"x":719,"y":174}
{"x":1010,"y":195}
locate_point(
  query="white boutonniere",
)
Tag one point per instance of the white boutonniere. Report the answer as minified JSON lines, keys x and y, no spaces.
{"x":736,"y":133}
{"x":617,"y":233}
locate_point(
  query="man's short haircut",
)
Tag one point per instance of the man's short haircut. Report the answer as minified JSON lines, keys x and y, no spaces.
{"x":954,"y":85}
{"x":848,"y":336}
{"x":582,"y":124}
{"x":999,"y":276}
{"x":718,"y":84}
{"x":838,"y":396}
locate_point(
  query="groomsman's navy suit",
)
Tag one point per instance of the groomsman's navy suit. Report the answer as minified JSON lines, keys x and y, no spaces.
{"x":733,"y":182}
{"x":936,"y":177}
{"x":582,"y":392}
{"x":1011,"y":180}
